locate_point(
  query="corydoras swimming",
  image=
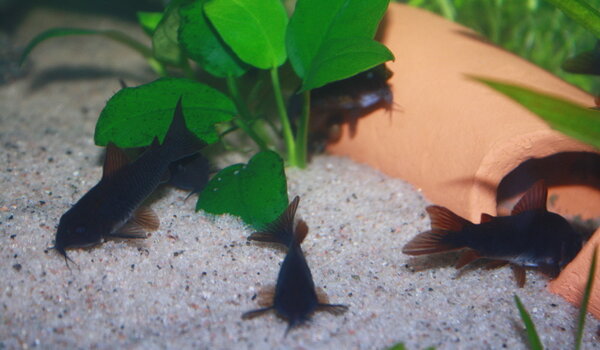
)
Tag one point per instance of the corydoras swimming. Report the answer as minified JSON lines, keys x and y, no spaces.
{"x":295,"y":297}
{"x":112,"y":208}
{"x":530,"y":237}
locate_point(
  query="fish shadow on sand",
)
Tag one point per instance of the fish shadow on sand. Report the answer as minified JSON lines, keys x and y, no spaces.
{"x":67,"y":73}
{"x":436,"y":261}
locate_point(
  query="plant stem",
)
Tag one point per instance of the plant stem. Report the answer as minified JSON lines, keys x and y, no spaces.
{"x":187,"y":69}
{"x":302,"y":133}
{"x":242,"y":122}
{"x":285,"y":122}
{"x":142,"y":49}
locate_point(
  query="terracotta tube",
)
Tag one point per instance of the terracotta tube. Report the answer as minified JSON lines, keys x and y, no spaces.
{"x":456,"y":139}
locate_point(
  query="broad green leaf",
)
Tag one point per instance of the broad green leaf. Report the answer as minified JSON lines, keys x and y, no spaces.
{"x":567,"y":117}
{"x":202,"y":43}
{"x":134,"y":116}
{"x":532,"y":335}
{"x":586,"y":299}
{"x":149,"y":21}
{"x":165,"y":43}
{"x":256,"y":192}
{"x":347,"y":58}
{"x":582,"y":12}
{"x":254,"y":29}
{"x":318,"y":29}
{"x":111,"y":34}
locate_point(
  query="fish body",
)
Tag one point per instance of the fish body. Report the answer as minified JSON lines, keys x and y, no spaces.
{"x":112,"y":208}
{"x":344,"y":101}
{"x":295,"y":297}
{"x":530,"y":237}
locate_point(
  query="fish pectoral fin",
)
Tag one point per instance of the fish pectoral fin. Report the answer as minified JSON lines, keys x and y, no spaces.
{"x":535,"y":198}
{"x":334,"y":309}
{"x":466,"y":258}
{"x":266,"y":296}
{"x":114,"y":160}
{"x":129,"y":230}
{"x":146,"y":218}
{"x":520,"y":276}
{"x":322,"y":297}
{"x":253,"y":313}
{"x":495,"y":264}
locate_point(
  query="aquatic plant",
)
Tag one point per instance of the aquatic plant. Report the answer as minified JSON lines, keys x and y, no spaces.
{"x":565,"y":116}
{"x":532,"y":334}
{"x":246,"y":45}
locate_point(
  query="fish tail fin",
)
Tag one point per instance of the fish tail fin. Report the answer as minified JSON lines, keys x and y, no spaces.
{"x":429,"y":242}
{"x":179,"y":141}
{"x":281,"y":230}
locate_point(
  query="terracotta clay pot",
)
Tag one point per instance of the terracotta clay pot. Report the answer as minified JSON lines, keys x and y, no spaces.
{"x":466,"y":146}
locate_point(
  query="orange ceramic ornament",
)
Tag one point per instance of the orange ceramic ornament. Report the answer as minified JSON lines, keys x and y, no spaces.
{"x":457,"y":140}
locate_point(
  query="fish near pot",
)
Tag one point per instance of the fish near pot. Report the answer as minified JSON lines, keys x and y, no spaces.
{"x":456,"y":139}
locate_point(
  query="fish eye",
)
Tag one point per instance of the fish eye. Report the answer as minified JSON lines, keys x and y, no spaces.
{"x":80,"y":229}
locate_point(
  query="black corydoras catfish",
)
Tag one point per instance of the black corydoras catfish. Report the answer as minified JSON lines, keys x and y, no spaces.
{"x":531,"y":237}
{"x":344,"y":101}
{"x":112,"y":207}
{"x":295,"y":297}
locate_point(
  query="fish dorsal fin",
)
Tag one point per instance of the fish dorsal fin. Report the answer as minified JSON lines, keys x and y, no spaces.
{"x":146,"y":218}
{"x":114,"y":160}
{"x":534,"y":198}
{"x":301,"y":231}
{"x":444,"y":219}
{"x":282,"y":229}
{"x":485,"y":217}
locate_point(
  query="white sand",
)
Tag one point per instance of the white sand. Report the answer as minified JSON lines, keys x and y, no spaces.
{"x":188,"y":284}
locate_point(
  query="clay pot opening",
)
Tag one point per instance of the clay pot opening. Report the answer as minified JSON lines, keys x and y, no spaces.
{"x":573,"y":180}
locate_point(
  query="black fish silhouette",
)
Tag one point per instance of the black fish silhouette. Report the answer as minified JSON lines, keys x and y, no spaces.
{"x":531,"y":237}
{"x":112,"y":207}
{"x":295,"y":297}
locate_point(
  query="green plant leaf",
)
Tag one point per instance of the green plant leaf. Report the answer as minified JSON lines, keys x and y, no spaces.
{"x":165,"y":43}
{"x":149,"y":21}
{"x":319,"y":29}
{"x":111,"y":34}
{"x":565,"y":116}
{"x":202,"y":43}
{"x":582,"y":12}
{"x":254,"y":29}
{"x":345,"y":58}
{"x":397,"y":346}
{"x":134,"y":116}
{"x":586,"y":300}
{"x":256,"y":192}
{"x":532,"y":335}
